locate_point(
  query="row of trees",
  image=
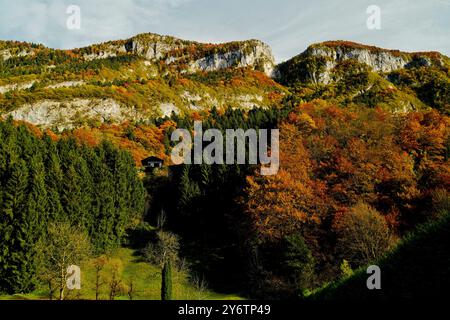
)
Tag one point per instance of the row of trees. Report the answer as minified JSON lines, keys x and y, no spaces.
{"x":65,"y":247}
{"x":42,"y":181}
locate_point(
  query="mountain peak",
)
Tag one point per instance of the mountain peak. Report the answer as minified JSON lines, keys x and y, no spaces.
{"x":193,"y":56}
{"x":350,"y":45}
{"x":317,"y":62}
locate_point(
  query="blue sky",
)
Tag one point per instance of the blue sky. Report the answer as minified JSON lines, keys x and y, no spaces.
{"x":288,"y":26}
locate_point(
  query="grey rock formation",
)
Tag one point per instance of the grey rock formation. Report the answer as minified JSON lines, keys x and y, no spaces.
{"x":253,"y":53}
{"x":378,"y":60}
{"x":382,"y":61}
{"x":66,"y":114}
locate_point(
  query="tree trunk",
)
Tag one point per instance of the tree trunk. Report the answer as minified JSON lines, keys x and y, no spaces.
{"x":50,"y":288}
{"x":62,"y":285}
{"x":61,"y":293}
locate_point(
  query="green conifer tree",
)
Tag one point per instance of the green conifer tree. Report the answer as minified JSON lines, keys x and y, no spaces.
{"x":166,"y":285}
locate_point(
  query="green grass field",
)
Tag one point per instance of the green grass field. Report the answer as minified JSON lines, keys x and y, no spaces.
{"x":146,"y":281}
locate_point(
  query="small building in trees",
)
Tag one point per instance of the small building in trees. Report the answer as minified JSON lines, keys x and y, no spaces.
{"x":152,"y":162}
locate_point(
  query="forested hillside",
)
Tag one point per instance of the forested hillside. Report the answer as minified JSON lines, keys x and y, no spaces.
{"x":144,"y":77}
{"x":44,"y":183}
{"x":417,"y":268}
{"x":350,"y":73}
{"x":364,"y":161}
{"x":352,"y":183}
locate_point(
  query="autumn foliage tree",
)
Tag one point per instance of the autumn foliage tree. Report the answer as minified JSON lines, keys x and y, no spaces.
{"x":350,"y":181}
{"x":363,"y":235}
{"x":280,"y":204}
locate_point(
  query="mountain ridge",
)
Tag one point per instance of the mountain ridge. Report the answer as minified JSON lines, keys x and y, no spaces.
{"x":149,"y":76}
{"x":379,"y":59}
{"x":247,"y":53}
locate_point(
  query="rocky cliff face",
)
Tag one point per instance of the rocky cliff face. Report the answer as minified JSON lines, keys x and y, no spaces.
{"x":16,"y":86}
{"x":209,"y":57}
{"x":319,"y":60}
{"x":254,"y":54}
{"x":381,"y":61}
{"x":150,"y":76}
{"x":148,"y":46}
{"x":64,"y":88}
{"x":72,"y":113}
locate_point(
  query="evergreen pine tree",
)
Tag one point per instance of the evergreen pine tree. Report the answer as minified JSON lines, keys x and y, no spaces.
{"x":166,"y":285}
{"x":15,"y":270}
{"x":42,"y":181}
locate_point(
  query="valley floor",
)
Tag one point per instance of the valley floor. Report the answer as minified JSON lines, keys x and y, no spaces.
{"x":146,"y":280}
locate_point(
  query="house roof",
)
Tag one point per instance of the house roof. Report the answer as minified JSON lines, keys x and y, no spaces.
{"x":151,"y":159}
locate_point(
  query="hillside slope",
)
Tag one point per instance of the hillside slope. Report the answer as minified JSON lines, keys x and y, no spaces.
{"x":119,"y":90}
{"x":419,"y":268}
{"x":151,"y":76}
{"x":145,"y":77}
{"x":348,"y":72}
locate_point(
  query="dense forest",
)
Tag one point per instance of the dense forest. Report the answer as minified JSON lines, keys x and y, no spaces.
{"x":352,"y":183}
{"x":46,"y":182}
{"x":364,"y":170}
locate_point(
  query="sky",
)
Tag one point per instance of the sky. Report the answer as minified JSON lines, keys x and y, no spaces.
{"x":288,"y":26}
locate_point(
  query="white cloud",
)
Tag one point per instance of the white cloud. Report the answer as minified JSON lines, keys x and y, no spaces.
{"x":289,"y":26}
{"x":45,"y":21}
